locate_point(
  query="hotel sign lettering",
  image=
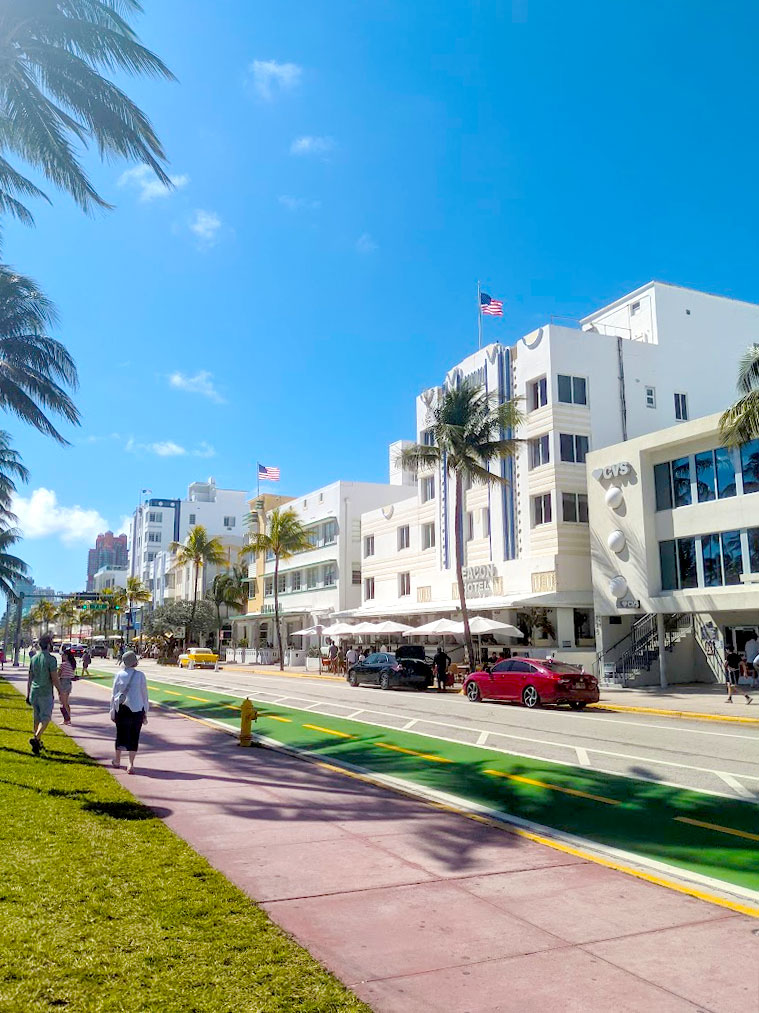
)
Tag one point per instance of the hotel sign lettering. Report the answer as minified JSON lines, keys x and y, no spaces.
{"x":479,"y":580}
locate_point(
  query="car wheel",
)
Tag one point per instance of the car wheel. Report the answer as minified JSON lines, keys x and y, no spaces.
{"x":577,"y":705}
{"x":530,"y":697}
{"x":473,"y":692}
{"x":385,"y":680}
{"x":352,"y":679}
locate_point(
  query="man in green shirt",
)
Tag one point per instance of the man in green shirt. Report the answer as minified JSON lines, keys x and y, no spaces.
{"x":43,"y":678}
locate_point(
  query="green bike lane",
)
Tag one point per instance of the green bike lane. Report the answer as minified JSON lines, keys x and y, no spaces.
{"x":707,"y":835}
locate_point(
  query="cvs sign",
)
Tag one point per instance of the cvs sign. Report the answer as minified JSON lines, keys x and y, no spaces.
{"x":617,"y":470}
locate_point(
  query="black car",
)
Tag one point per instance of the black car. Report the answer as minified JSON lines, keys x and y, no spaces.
{"x":391,"y":670}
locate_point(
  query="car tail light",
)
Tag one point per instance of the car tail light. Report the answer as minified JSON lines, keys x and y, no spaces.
{"x":564,"y":682}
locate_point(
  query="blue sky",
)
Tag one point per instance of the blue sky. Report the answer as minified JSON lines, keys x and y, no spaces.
{"x":346,"y":172}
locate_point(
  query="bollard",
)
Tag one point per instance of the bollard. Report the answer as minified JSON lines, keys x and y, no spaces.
{"x":248,"y":714}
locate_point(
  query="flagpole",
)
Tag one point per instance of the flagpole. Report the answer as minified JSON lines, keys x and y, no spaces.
{"x":479,"y":317}
{"x":258,"y":481}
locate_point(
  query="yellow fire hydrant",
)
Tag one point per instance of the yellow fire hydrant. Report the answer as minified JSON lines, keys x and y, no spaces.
{"x":248,"y":714}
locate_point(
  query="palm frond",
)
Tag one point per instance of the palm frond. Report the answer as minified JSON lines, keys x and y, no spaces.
{"x":740,"y":422}
{"x":748,"y":370}
{"x":418,"y":457}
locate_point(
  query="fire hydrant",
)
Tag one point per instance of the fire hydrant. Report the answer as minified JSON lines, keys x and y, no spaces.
{"x":248,"y":714}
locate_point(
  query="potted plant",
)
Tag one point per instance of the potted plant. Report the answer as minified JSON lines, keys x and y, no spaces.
{"x":313,"y":660}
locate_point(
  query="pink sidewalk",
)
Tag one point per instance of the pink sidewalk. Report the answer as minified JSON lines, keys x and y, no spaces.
{"x":417,"y":909}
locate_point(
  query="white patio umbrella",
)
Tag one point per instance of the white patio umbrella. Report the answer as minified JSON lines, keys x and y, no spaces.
{"x":310,"y":631}
{"x":389,"y":626}
{"x":338,"y":630}
{"x":365,"y":628}
{"x":479,"y":625}
{"x":435,"y":628}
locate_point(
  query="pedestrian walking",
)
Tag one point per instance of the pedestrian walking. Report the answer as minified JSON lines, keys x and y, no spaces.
{"x":341,"y":659}
{"x":351,"y":656}
{"x":440,"y":663}
{"x":86,"y":660}
{"x":42,"y":680}
{"x":333,"y":651}
{"x":66,"y":676}
{"x":129,"y":708}
{"x":734,"y":665}
{"x":751,"y":649}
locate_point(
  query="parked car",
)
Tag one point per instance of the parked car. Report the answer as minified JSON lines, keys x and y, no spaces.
{"x":391,"y":671}
{"x":201,"y":657}
{"x":78,"y":650}
{"x":99,"y":651}
{"x":534,"y":681}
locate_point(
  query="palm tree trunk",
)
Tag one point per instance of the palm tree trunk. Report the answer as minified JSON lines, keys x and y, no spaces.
{"x":218,"y":629}
{"x":276,"y":614}
{"x":194,"y":599}
{"x":458,"y":517}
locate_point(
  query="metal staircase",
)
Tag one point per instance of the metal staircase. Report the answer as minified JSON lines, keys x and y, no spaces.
{"x":637,"y":651}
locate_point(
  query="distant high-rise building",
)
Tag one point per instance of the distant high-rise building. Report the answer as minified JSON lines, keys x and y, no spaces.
{"x":110,"y":550}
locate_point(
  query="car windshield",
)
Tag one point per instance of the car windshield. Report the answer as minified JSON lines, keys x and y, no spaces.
{"x":557,"y":666}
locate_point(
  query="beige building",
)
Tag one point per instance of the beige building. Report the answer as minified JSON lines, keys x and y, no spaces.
{"x":674,"y":525}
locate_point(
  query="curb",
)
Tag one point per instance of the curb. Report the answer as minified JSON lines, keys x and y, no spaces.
{"x":663,"y":712}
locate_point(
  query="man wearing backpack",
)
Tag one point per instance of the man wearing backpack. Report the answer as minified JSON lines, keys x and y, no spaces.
{"x":43,"y":679}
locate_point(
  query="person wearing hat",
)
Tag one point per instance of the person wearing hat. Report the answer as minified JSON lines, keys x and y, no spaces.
{"x":129,"y":708}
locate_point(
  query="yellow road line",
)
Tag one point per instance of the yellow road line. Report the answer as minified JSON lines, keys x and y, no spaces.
{"x":171,"y":692}
{"x":663,"y":712}
{"x":232,"y":706}
{"x":413,"y":752}
{"x":718,"y":828}
{"x":329,"y":731}
{"x":200,"y":699}
{"x":554,"y":787}
{"x":276,"y":717}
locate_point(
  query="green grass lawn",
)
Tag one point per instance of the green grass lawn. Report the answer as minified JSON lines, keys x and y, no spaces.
{"x":103,"y":908}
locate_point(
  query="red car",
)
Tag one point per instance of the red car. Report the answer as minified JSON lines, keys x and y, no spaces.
{"x":534,"y":681}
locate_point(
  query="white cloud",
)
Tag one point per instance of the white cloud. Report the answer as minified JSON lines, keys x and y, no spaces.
{"x":169,"y":448}
{"x":202,"y":383}
{"x":309,"y":145}
{"x":270,"y":77}
{"x":205,"y":225}
{"x":299,"y":203}
{"x":204,"y":449}
{"x":125,"y":527}
{"x":149,"y":187}
{"x":40,"y":516}
{"x":365,"y":244}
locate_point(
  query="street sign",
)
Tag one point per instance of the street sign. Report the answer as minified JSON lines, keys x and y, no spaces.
{"x":94,"y":606}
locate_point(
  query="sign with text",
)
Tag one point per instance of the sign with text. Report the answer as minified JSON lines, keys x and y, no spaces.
{"x":479,"y":580}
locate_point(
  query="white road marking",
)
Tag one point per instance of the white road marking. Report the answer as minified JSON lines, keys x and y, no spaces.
{"x":736,"y":785}
{"x":483,"y":738}
{"x":582,"y":756}
{"x":355,"y":714}
{"x":409,"y":725}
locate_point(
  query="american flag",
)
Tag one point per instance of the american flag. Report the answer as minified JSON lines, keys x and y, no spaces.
{"x":490,"y":307}
{"x":267,"y":474}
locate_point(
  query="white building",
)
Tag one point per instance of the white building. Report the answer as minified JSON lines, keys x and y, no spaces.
{"x":108,"y":577}
{"x":159,"y":522}
{"x":674,"y":520}
{"x":630,"y":368}
{"x":169,"y":582}
{"x":314,"y":585}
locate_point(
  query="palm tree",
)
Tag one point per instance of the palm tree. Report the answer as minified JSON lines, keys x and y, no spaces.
{"x":45,"y":613}
{"x":470,"y":431}
{"x":285,"y":536}
{"x":11,"y":567}
{"x":53,"y":97}
{"x":740,"y":423}
{"x":227,"y":590}
{"x":137,"y":593}
{"x":11,"y":467}
{"x":66,"y":615}
{"x":198,"y":550}
{"x":34,"y":368}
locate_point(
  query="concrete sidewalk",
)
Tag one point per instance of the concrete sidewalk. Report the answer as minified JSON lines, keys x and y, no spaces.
{"x":418,"y":909}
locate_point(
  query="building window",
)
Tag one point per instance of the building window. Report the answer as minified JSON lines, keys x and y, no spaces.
{"x":681,"y":492}
{"x":312,"y":577}
{"x":404,"y":584}
{"x":230,"y":522}
{"x":663,"y":486}
{"x":732,"y":556}
{"x":541,"y":509}
{"x":668,"y":564}
{"x":428,"y":535}
{"x":573,"y":448}
{"x":537,"y":394}
{"x":330,"y":532}
{"x":155,"y":518}
{"x":428,"y":488}
{"x":469,"y":525}
{"x":404,"y":537}
{"x":634,"y":308}
{"x":585,"y":627}
{"x":573,"y":389}
{"x":574,"y":507}
{"x":753,"y":549}
{"x":329,"y":575}
{"x":295,"y":581}
{"x":356,"y":574}
{"x":485,"y":522}
{"x":369,"y":545}
{"x":750,"y":466}
{"x":369,"y":588}
{"x":268,"y":586}
{"x":710,"y":554}
{"x":705,"y":476}
{"x":154,"y":536}
{"x":428,"y":437}
{"x":540,"y":451}
{"x":681,"y":407}
{"x":282,"y":583}
{"x":193,"y":520}
{"x":321,"y":497}
{"x":650,"y":397}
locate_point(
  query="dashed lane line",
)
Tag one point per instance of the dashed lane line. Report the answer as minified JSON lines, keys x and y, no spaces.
{"x":482,"y":738}
{"x":413,"y":752}
{"x":582,"y":756}
{"x":554,"y":787}
{"x":716,"y":826}
{"x":735,"y":784}
{"x":329,"y":731}
{"x":276,"y":717}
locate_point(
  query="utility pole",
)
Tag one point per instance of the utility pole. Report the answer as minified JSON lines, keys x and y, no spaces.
{"x":17,"y":638}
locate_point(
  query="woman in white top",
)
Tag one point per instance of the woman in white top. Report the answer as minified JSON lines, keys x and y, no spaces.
{"x":129,"y":708}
